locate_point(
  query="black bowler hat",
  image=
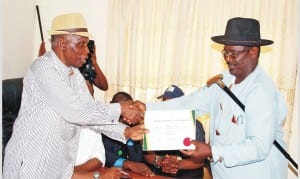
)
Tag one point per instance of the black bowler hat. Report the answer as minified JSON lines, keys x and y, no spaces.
{"x":242,"y":31}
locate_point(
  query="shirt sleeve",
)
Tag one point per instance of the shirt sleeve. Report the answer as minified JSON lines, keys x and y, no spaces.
{"x":188,"y":101}
{"x":90,"y":146}
{"x":68,"y":95}
{"x":135,"y":152}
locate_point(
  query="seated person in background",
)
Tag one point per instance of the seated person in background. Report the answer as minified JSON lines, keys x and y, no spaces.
{"x":91,"y":156}
{"x":173,"y":163}
{"x":126,"y":156}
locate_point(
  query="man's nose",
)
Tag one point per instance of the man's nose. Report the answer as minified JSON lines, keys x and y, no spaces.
{"x":228,"y":58}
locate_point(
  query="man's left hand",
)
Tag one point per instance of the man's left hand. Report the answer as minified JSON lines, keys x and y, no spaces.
{"x":136,"y":133}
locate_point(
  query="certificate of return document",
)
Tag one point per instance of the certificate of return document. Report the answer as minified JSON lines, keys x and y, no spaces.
{"x":169,"y":129}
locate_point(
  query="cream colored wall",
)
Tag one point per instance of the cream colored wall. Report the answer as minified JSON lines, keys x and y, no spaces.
{"x":293,"y":141}
{"x":21,"y":35}
{"x":17,"y":37}
{"x":1,"y":37}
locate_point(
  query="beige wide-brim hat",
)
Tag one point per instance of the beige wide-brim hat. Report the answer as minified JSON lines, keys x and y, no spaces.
{"x":72,"y":23}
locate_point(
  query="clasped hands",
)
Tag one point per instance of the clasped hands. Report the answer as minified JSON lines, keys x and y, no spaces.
{"x":170,"y":164}
{"x":132,"y":113}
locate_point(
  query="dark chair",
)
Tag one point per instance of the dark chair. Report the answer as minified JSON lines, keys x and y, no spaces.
{"x":11,"y":101}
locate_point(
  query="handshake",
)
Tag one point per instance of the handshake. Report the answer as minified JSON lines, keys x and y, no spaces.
{"x":132,"y":113}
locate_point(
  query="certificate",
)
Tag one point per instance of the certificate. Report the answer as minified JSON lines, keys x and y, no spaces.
{"x":169,"y":129}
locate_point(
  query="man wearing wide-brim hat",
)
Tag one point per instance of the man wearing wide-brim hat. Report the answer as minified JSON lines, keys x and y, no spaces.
{"x":241,"y":140}
{"x":56,"y":103}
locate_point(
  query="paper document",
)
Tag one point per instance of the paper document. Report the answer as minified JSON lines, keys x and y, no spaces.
{"x":169,"y":129}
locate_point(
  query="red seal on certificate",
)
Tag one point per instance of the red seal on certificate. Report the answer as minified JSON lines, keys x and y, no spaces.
{"x":187,"y":141}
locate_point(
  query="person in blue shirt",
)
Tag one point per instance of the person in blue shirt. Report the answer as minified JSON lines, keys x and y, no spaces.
{"x":241,"y":138}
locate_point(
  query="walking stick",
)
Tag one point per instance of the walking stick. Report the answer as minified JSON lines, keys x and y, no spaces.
{"x":218,"y":80}
{"x":42,"y":48}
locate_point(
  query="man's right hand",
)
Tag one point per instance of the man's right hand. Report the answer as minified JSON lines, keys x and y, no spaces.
{"x":201,"y":151}
{"x":132,"y":112}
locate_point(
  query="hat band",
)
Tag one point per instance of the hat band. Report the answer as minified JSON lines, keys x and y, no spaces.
{"x":74,"y":30}
{"x":237,"y":41}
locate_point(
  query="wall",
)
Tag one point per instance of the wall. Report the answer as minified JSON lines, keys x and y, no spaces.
{"x":17,"y":37}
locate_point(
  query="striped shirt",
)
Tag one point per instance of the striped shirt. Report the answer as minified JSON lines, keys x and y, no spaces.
{"x":55,"y":104}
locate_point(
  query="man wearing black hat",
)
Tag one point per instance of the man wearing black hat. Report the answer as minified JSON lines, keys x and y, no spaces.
{"x":241,"y":138}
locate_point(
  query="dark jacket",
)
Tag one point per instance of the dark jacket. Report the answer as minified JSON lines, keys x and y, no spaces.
{"x":115,"y":149}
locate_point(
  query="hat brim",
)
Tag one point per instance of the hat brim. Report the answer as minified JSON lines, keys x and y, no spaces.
{"x":84,"y":34}
{"x":223,"y":40}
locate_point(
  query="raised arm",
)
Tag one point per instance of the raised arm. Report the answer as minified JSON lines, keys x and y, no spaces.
{"x":100,"y":81}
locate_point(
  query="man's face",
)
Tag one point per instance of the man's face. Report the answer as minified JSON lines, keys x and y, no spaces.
{"x":241,"y":60}
{"x":76,"y":50}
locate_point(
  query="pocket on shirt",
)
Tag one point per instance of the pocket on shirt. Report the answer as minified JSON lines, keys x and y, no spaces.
{"x":237,"y":130}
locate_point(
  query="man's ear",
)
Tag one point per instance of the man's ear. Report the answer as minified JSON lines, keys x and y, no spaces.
{"x":61,"y":42}
{"x":253,"y":51}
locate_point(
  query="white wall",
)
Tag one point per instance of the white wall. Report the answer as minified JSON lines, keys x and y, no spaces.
{"x":1,"y":37}
{"x":21,"y":35}
{"x":17,"y":37}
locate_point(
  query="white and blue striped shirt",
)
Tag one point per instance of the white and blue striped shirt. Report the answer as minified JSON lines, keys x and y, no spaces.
{"x":55,"y":104}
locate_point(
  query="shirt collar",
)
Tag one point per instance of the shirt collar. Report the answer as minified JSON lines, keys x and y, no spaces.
{"x":60,"y":65}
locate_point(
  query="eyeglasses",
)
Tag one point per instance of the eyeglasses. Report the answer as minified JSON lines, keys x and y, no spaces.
{"x":233,"y":54}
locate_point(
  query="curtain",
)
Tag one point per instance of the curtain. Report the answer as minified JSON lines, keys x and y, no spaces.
{"x":294,"y":134}
{"x":153,"y":43}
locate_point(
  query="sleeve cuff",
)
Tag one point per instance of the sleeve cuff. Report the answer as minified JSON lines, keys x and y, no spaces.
{"x":216,"y":154}
{"x":115,"y":112}
{"x":130,"y":142}
{"x":119,"y":162}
